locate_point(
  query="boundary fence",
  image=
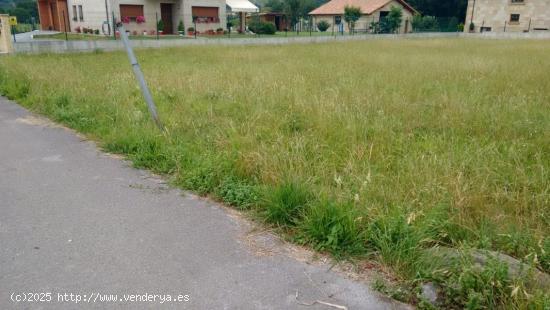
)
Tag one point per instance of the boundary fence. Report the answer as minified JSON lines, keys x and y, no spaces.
{"x":111,"y":45}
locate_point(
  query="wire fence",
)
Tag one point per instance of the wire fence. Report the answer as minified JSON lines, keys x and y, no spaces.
{"x":174,"y":25}
{"x":527,"y":25}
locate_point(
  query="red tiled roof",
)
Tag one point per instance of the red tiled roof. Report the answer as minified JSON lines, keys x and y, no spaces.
{"x":336,"y":7}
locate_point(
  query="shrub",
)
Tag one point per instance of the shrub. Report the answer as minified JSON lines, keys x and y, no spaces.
{"x":160,"y":25}
{"x":96,"y":31}
{"x":287,"y":203}
{"x":323,"y":25}
{"x":78,"y":29}
{"x":190,"y":29}
{"x":181,"y":28}
{"x":268,"y":28}
{"x":262,"y":27}
{"x":424,"y":23}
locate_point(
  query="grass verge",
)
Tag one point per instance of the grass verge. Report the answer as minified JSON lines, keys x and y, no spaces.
{"x":380,"y":149}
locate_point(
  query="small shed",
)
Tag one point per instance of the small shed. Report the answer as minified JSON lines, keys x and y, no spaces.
{"x":276,"y":18}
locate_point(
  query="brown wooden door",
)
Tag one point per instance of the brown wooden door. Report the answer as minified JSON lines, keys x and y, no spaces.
{"x":166,"y":16}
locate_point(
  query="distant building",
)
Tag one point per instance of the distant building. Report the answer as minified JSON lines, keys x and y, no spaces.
{"x":507,"y":16}
{"x":373,"y":11}
{"x":137,"y":15}
{"x":276,"y":18}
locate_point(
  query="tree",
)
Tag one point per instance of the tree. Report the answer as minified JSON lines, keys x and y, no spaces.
{"x":297,"y":9}
{"x":439,"y":8}
{"x":24,"y":11}
{"x":351,"y":15}
{"x":274,"y":6}
{"x":394,"y":19}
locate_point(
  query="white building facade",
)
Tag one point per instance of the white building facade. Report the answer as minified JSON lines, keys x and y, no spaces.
{"x":138,"y":16}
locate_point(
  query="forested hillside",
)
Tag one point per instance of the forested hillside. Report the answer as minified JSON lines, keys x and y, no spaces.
{"x":23,"y":9}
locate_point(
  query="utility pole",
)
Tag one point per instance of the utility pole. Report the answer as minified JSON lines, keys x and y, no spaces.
{"x":473,"y":9}
{"x":139,"y":76}
{"x":114,"y":24}
{"x":157,"y":23}
{"x":107,"y":19}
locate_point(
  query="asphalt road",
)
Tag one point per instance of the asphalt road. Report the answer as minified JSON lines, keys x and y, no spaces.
{"x":28,"y":36}
{"x":74,"y":220}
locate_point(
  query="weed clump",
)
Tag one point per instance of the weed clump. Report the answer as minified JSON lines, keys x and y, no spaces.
{"x":333,"y":227}
{"x":237,"y":193}
{"x":287,"y":203}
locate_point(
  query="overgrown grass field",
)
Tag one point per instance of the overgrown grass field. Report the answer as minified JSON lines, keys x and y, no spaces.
{"x":375,"y":149}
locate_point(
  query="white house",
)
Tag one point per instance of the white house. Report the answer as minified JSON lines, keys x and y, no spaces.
{"x":137,"y":15}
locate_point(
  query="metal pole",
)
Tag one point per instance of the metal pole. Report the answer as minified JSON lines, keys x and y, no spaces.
{"x":473,"y":10}
{"x":65,"y":25}
{"x":310,"y":26}
{"x":529,"y":29}
{"x":504,"y":26}
{"x":333,"y":22}
{"x":13,"y":33}
{"x":114,"y":24}
{"x":157,"y":23}
{"x":286,"y":25}
{"x":139,"y":77}
{"x":107,"y":20}
{"x":195,"y":23}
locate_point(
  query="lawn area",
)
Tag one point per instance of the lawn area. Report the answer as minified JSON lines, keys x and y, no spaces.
{"x":375,"y":149}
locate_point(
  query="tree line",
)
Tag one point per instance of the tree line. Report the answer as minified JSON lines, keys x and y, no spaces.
{"x":296,"y":9}
{"x":24,"y":10}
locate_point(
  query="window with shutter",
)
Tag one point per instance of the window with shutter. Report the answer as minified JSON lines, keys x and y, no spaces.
{"x":205,"y":14}
{"x":131,"y":12}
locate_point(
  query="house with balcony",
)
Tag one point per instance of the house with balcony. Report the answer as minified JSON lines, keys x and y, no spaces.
{"x":138,"y":16}
{"x":507,"y":16}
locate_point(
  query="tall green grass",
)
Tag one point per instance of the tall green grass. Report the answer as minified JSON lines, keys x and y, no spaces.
{"x":374,"y":149}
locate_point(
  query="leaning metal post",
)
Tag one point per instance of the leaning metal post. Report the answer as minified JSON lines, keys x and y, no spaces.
{"x":139,"y":77}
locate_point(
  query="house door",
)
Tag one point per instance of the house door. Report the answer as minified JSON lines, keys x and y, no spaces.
{"x":54,"y":17}
{"x":278,"y":23}
{"x":166,"y":16}
{"x":63,"y":16}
